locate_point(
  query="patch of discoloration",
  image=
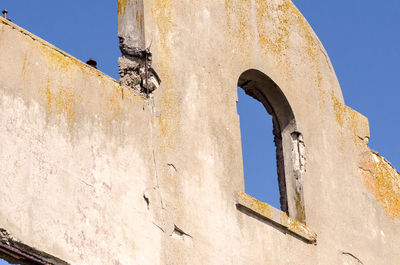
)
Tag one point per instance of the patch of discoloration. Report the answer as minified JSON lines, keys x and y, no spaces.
{"x":237,"y":19}
{"x":24,"y":66}
{"x":260,"y":207}
{"x":122,"y":6}
{"x":350,"y":119}
{"x":58,"y":60}
{"x":169,"y":121}
{"x":276,"y":41}
{"x":382,"y":180}
{"x":58,"y":91}
{"x":61,"y":101}
{"x":339,"y":110}
{"x":140,"y":20}
{"x":114,"y":104}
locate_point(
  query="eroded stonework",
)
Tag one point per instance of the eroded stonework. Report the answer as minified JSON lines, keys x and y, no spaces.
{"x":136,"y":72}
{"x":93,"y":172}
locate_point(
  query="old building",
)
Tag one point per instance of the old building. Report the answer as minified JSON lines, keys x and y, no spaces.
{"x":149,"y":170}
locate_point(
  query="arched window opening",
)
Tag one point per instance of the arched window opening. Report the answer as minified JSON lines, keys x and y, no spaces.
{"x":258,"y":150}
{"x":289,"y":143}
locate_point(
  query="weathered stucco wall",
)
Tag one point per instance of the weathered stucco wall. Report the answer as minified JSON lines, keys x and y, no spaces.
{"x":94,"y":174}
{"x":76,"y":157}
{"x":200,"y":50}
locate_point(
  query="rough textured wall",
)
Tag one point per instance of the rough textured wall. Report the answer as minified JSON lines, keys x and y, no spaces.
{"x":76,"y":157}
{"x":96,"y":175}
{"x":383,"y":181}
{"x":211,"y":43}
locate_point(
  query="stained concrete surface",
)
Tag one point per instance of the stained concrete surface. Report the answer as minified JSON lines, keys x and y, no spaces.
{"x":94,"y":173}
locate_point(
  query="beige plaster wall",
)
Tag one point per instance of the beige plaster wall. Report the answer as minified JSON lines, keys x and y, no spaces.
{"x":75,"y":155}
{"x":93,"y":174}
{"x":200,"y":49}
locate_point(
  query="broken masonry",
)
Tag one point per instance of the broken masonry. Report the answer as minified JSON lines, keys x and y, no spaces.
{"x":135,"y":69}
{"x":135,"y":63}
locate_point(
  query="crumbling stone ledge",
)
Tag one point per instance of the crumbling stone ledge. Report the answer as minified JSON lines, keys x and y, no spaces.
{"x":275,"y":216}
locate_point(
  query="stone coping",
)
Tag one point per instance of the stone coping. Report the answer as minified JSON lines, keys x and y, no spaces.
{"x":275,"y":216}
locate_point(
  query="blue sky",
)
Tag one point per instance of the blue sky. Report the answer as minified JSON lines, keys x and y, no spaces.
{"x":361,"y":36}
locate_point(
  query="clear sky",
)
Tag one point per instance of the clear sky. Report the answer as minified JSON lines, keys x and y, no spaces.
{"x":361,"y":37}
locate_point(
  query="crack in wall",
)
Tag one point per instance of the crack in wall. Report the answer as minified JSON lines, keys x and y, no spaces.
{"x":180,"y":233}
{"x":350,"y":259}
{"x":147,"y":200}
{"x":172,"y":166}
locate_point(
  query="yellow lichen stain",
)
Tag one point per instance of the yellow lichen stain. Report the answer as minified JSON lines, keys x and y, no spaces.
{"x":301,"y":229}
{"x":300,"y":212}
{"x":163,"y":16}
{"x":59,"y":62}
{"x":140,"y":21}
{"x":289,"y":19}
{"x":321,"y":90}
{"x":281,"y":40}
{"x":61,"y":102}
{"x":273,"y":22}
{"x":62,"y":98}
{"x":238,"y":17}
{"x":260,"y":207}
{"x":354,"y":121}
{"x":383,"y":181}
{"x":345,"y":116}
{"x":114,"y":104}
{"x":339,"y":109}
{"x":294,"y":225}
{"x":265,"y":210}
{"x":313,"y":52}
{"x":311,"y":47}
{"x":168,"y":123}
{"x":74,"y":91}
{"x":272,"y":28}
{"x":163,"y":126}
{"x":24,"y":66}
{"x":122,"y":6}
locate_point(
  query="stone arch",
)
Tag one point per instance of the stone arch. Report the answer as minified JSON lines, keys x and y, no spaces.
{"x":290,"y":147}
